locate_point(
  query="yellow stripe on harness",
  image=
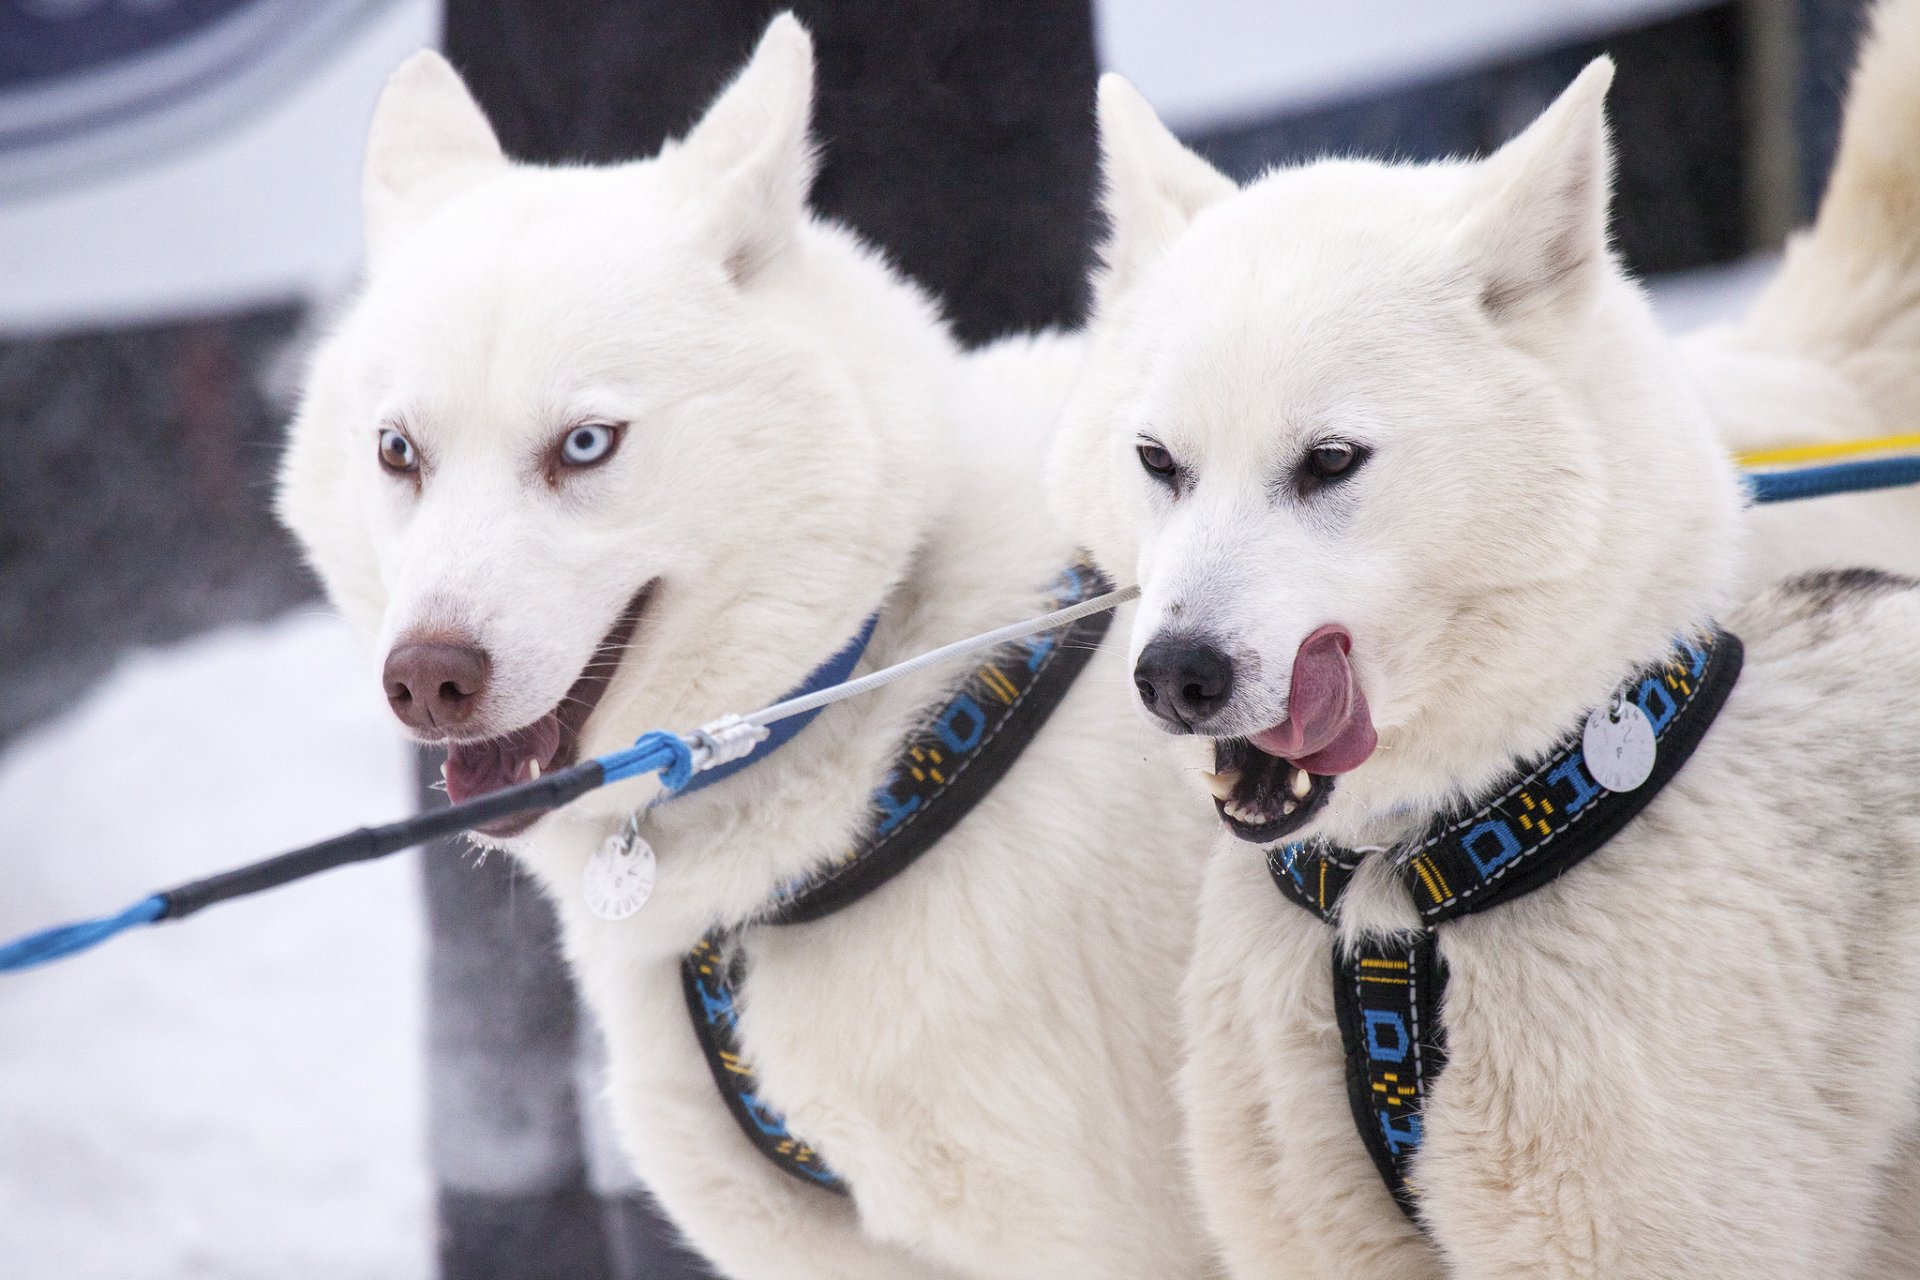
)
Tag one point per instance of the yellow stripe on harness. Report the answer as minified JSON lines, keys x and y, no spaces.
{"x":1825,"y":452}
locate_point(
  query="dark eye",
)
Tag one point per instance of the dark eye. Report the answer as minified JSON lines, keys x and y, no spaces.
{"x":1332,"y":461}
{"x":588,"y":443}
{"x":397,"y":453}
{"x":1157,"y":460}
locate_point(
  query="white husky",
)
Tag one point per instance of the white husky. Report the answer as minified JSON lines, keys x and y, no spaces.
{"x":1412,"y":481}
{"x":605,"y":450}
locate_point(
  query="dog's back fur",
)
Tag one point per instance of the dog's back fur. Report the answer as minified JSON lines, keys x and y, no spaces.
{"x":1697,"y":1053}
{"x":983,"y":1049}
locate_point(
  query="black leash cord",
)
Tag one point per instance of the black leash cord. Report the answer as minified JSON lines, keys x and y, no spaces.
{"x":548,"y":792}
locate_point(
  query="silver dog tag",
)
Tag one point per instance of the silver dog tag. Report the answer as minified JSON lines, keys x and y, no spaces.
{"x":619,"y":876}
{"x":1619,"y":745}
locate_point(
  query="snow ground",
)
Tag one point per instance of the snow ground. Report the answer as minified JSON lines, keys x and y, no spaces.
{"x":240,"y":1095}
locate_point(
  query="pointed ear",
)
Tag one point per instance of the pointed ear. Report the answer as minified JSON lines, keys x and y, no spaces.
{"x":429,"y":142}
{"x":1153,"y":186}
{"x":1537,"y":231}
{"x":750,"y":159}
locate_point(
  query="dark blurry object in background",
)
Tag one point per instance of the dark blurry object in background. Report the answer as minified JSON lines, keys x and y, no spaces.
{"x":954,"y":132}
{"x":1824,"y":38}
{"x":134,"y":480}
{"x":1675,"y":106}
{"x":958,"y":137}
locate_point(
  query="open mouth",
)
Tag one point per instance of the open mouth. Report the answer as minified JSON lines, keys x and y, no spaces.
{"x":1263,"y":798}
{"x":1271,"y":784}
{"x":552,"y":742}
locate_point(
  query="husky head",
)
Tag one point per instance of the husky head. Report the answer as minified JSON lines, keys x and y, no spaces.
{"x":1395,"y":453}
{"x":586,"y":455}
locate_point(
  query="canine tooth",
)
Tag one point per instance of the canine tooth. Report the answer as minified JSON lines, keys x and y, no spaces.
{"x":1287,"y":808}
{"x":1300,"y":785}
{"x":533,"y":770}
{"x":1223,"y":783}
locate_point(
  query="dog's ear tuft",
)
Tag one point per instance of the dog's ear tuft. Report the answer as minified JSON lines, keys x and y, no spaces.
{"x":1537,"y":234}
{"x":429,"y":141}
{"x":1154,"y":186}
{"x":751,"y":158}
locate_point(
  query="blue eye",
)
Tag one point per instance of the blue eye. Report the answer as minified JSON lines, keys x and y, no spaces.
{"x":397,"y":453}
{"x":588,"y":443}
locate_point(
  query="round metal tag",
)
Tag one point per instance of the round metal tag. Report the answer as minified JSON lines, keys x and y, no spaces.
{"x":619,"y":876}
{"x":1619,"y":746}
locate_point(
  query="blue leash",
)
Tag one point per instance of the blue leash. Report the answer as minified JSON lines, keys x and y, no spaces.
{"x":677,"y":761}
{"x":64,"y":940}
{"x":1839,"y":477}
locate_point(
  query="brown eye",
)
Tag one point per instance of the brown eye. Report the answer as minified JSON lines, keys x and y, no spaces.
{"x":1157,"y":460}
{"x":397,"y":453}
{"x":1329,"y":462}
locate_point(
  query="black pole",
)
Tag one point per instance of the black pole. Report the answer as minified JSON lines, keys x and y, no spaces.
{"x":956,"y":134}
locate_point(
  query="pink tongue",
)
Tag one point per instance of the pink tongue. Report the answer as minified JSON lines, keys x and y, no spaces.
{"x":1327,"y":729}
{"x":475,"y":768}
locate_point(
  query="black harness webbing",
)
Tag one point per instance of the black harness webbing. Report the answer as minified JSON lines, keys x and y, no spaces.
{"x":942,"y":771}
{"x":1389,"y":992}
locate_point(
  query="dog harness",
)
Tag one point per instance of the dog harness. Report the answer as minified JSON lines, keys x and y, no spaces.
{"x":1388,"y":992}
{"x":942,"y":771}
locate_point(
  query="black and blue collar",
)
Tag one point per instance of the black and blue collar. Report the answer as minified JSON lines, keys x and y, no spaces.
{"x":1532,"y":828}
{"x":965,"y":746}
{"x":835,"y":670}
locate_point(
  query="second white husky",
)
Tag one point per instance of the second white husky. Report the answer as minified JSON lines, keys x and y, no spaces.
{"x":605,"y":450}
{"x":1415,"y":486}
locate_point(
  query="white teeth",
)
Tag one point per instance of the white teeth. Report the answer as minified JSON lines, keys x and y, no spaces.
{"x":533,"y":770}
{"x":1287,"y":808}
{"x":1242,"y":814}
{"x":1300,"y":785}
{"x":443,"y":771}
{"x":1222,"y":783}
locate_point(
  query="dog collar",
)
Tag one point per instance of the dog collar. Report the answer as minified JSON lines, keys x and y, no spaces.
{"x":943,"y":769}
{"x":833,"y":671}
{"x":1540,"y":822}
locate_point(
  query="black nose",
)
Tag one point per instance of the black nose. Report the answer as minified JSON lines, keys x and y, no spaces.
{"x":1183,"y":679}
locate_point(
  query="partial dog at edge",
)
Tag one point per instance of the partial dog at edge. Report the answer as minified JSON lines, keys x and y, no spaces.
{"x":1412,"y":480}
{"x":599,"y":451}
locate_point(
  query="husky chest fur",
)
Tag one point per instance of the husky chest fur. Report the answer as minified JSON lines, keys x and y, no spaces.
{"x":604,"y":450}
{"x":1413,"y":485}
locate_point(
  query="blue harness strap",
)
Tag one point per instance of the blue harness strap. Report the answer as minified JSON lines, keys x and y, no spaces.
{"x":956,"y":756}
{"x":1389,"y":992}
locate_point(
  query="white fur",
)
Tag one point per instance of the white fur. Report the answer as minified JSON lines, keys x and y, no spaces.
{"x":984,"y":1048}
{"x":1698,"y":1053}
